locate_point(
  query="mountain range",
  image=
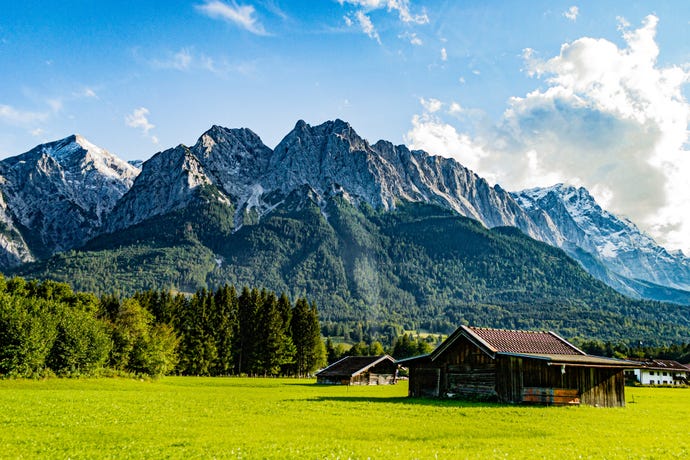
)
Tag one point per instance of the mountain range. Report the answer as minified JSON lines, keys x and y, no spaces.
{"x":323,"y":212}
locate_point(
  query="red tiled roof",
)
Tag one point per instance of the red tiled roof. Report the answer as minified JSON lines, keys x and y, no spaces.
{"x":509,"y":341}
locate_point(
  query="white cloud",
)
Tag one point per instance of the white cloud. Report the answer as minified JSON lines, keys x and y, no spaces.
{"x":180,"y":60}
{"x":88,"y":92}
{"x":13,"y":116}
{"x":431,"y":105}
{"x":401,"y":6}
{"x":444,"y":54}
{"x":572,"y":13}
{"x":430,"y":133}
{"x":240,"y":15}
{"x":138,"y":119}
{"x":606,"y":117}
{"x":412,"y":38}
{"x":367,"y":26}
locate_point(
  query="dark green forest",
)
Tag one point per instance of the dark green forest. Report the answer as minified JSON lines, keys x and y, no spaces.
{"x":48,"y":329}
{"x":372,"y":273}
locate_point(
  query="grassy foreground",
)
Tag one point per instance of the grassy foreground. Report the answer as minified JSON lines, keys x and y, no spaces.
{"x":186,"y":417}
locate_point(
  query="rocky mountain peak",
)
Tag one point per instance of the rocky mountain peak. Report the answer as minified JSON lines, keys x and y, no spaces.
{"x":578,"y":223}
{"x":58,"y":193}
{"x":234,"y":159}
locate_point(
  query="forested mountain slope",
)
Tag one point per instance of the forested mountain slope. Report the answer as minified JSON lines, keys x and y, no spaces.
{"x":420,"y":266}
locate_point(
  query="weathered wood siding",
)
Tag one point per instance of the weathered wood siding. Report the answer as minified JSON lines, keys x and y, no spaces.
{"x":596,"y":386}
{"x":601,"y":387}
{"x":466,"y":371}
{"x":424,"y":382}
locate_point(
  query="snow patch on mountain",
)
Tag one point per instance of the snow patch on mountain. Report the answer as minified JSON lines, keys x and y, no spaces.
{"x":578,"y":221}
{"x":58,"y":193}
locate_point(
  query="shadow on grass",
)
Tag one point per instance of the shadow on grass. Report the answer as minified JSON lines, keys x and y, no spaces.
{"x":405,"y":400}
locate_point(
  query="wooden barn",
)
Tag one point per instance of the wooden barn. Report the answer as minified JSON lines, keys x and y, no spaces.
{"x":517,"y":367}
{"x":360,"y":370}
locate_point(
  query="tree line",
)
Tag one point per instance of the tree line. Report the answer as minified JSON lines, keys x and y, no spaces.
{"x":46,"y":328}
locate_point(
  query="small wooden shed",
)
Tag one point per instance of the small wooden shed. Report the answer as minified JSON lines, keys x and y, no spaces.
{"x":517,"y":367}
{"x":360,"y":370}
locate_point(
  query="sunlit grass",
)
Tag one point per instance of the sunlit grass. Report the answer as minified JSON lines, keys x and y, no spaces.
{"x":185,"y":417}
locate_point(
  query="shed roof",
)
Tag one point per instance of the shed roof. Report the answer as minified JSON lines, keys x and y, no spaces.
{"x":576,"y":360}
{"x":511,"y":341}
{"x":353,"y":365}
{"x":542,"y":345}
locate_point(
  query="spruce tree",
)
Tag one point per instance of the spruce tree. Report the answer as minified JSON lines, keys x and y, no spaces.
{"x":244,"y":348}
{"x":273,"y":347}
{"x":306,"y":335}
{"x":224,"y":326}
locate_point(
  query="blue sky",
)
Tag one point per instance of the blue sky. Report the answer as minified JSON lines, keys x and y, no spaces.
{"x":524,"y":93}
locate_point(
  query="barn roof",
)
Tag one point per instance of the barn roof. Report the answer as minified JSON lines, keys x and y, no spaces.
{"x":512,"y":341}
{"x":542,"y":345}
{"x":353,"y":365}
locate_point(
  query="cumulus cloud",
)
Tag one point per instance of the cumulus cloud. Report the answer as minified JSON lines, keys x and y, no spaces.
{"x":572,"y":13}
{"x":239,"y":15}
{"x":608,"y":118}
{"x":138,"y":119}
{"x":430,"y":133}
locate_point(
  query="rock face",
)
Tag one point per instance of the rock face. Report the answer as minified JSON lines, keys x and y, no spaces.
{"x":596,"y":237}
{"x":332,"y":158}
{"x":166,"y":183}
{"x":327,"y":159}
{"x":56,"y":196}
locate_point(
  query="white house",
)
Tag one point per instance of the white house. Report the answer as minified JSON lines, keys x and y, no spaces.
{"x":660,"y":372}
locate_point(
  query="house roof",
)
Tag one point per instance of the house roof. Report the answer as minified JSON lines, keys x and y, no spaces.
{"x":663,"y":365}
{"x":543,"y":345}
{"x":353,"y":365}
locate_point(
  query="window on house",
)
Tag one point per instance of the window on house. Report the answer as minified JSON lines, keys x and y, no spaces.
{"x":651,"y":372}
{"x":665,"y":374}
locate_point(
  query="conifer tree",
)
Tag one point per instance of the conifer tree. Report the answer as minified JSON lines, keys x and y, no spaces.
{"x":274,"y":346}
{"x":245,"y":336}
{"x":224,"y":324}
{"x":306,"y":335}
{"x":199,"y":351}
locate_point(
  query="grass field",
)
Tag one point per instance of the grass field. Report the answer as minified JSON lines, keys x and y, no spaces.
{"x":186,"y":417}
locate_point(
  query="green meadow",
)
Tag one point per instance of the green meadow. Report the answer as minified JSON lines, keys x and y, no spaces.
{"x":191,"y":417}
